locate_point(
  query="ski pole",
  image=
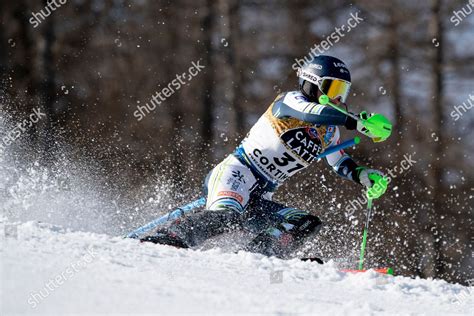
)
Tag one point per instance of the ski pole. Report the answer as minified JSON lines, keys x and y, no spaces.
{"x":364,"y":236}
{"x":178,"y":212}
{"x":324,"y":100}
{"x":375,"y":126}
{"x":343,"y":145}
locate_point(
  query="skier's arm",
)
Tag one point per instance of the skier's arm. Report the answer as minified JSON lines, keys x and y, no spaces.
{"x":341,"y":162}
{"x":347,"y":168}
{"x":293,"y":104}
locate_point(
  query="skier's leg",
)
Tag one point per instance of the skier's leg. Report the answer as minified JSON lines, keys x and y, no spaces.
{"x":193,"y":229}
{"x":228,"y":188}
{"x":286,"y":230}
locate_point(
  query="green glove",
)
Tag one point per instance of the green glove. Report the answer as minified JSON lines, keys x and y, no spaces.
{"x":375,"y":126}
{"x":374,"y":180}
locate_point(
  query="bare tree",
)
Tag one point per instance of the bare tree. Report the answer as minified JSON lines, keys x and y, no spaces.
{"x":396,"y":84}
{"x":48,"y":86}
{"x":207,"y":118}
{"x":437,"y":31}
{"x":235,"y":62}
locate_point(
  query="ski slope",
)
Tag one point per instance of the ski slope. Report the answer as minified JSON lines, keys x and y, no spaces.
{"x":46,"y":270}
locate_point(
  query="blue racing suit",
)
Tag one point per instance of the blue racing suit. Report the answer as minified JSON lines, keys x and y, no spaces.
{"x":284,"y":141}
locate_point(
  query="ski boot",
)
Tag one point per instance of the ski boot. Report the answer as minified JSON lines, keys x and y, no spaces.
{"x":285,"y":237}
{"x":164,"y":237}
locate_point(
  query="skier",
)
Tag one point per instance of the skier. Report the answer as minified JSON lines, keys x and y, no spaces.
{"x":284,"y":141}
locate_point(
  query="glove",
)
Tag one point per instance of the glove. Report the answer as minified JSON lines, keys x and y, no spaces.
{"x":375,"y":126}
{"x":350,"y":123}
{"x":374,"y":180}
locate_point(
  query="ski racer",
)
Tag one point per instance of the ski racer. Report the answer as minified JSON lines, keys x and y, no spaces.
{"x":284,"y":141}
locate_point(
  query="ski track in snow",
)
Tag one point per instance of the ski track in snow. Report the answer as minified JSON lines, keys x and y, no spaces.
{"x":122,"y":276}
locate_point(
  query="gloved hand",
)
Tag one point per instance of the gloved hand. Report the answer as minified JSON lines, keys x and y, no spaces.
{"x":350,"y":123}
{"x":360,"y":123}
{"x":375,"y":126}
{"x":374,"y":180}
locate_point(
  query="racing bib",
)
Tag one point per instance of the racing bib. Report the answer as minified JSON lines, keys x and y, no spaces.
{"x":279,"y":157}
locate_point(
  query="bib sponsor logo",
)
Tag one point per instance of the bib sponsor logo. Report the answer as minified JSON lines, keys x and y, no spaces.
{"x":236,"y":180}
{"x":329,"y":133}
{"x":238,"y":175}
{"x":278,"y":168}
{"x":231,"y":194}
{"x":312,"y":132}
{"x":304,"y":142}
{"x":235,"y":184}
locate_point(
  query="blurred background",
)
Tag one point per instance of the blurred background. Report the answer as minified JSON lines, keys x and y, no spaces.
{"x":90,"y":164}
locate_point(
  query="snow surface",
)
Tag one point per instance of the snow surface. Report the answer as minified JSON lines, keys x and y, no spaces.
{"x":91,"y":273}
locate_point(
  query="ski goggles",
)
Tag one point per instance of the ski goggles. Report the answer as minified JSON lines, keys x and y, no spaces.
{"x":330,"y":86}
{"x":334,"y":88}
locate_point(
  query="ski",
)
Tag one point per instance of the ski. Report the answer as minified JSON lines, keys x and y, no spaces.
{"x":388,"y":271}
